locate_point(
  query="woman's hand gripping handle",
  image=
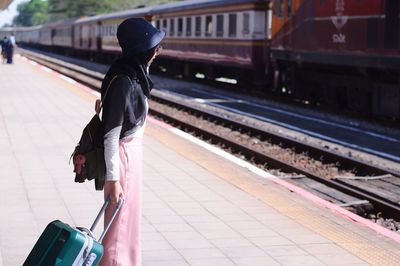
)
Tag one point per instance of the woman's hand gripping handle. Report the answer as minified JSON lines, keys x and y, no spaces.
{"x":116,"y":191}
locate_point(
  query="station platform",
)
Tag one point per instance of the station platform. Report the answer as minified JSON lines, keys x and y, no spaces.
{"x":199,"y":206}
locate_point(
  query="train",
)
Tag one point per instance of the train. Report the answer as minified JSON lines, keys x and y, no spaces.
{"x":338,"y":54}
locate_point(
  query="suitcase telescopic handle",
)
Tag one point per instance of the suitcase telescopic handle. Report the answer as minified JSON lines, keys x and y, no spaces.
{"x":103,"y":209}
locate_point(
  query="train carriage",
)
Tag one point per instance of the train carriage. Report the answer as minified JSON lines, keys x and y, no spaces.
{"x":342,"y":53}
{"x":22,"y":34}
{"x":31,"y":35}
{"x":218,"y":38}
{"x":62,"y":34}
{"x":45,"y":35}
{"x":86,"y":34}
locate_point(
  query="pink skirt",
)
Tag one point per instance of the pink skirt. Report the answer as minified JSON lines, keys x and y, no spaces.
{"x":122,"y":242}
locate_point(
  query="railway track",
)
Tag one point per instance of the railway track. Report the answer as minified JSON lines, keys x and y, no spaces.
{"x":378,"y":195}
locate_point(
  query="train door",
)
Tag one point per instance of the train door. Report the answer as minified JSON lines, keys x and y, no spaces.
{"x":283,"y":11}
{"x":278,"y":21}
{"x":52,"y":35}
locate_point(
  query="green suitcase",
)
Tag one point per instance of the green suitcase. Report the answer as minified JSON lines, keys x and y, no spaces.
{"x":63,"y":245}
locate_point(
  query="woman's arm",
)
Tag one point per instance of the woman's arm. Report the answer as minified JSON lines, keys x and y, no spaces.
{"x":113,"y":117}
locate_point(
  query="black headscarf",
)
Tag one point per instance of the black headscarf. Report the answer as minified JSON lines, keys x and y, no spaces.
{"x":135,"y":68}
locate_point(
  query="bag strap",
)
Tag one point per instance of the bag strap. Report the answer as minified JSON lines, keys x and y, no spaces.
{"x":99,"y":102}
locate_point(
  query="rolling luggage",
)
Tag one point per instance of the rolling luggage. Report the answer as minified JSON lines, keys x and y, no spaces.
{"x":63,"y":245}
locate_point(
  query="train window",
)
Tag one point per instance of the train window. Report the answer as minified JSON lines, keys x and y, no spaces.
{"x":220,"y":25}
{"x":164,"y":24}
{"x":198,"y":26}
{"x":246,"y":23}
{"x":188,"y":26}
{"x":171,"y":27}
{"x":158,"y":24}
{"x":209,"y":26}
{"x":232,"y":25}
{"x":112,"y":30}
{"x":180,"y":26}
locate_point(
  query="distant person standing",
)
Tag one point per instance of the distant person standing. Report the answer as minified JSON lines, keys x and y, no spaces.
{"x":10,"y":49}
{"x":4,"y":43}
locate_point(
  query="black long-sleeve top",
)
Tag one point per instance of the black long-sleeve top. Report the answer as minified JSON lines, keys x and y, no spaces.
{"x":124,"y":113}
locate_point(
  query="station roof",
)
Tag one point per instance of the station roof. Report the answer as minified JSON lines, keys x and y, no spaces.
{"x":4,"y":4}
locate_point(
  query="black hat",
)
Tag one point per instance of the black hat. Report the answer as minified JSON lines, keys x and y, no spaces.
{"x":136,"y":35}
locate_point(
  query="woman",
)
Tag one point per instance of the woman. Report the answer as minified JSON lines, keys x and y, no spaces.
{"x":125,"y":90}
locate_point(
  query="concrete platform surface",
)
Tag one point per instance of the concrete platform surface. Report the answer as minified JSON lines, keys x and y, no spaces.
{"x":199,"y":209}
